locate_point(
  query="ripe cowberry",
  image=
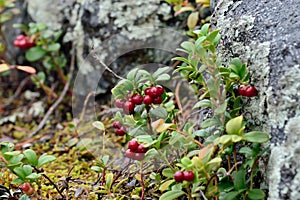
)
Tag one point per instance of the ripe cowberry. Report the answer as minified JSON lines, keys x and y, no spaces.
{"x":137,"y":99}
{"x":153,"y":92}
{"x":157,"y":100}
{"x":30,"y":191}
{"x":129,"y":153}
{"x":128,"y":107}
{"x":119,"y":103}
{"x":138,"y":156}
{"x":121,"y":131}
{"x":188,"y":176}
{"x":251,"y":91}
{"x":133,"y":145}
{"x":24,"y":42}
{"x":160,"y":90}
{"x":25,"y":187}
{"x":117,"y":124}
{"x":141,"y":149}
{"x":242,"y":90}
{"x":147,"y":99}
{"x":178,"y":176}
{"x":147,"y":91}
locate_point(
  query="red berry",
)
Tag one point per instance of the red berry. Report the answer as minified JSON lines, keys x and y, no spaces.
{"x":242,"y":90}
{"x":138,"y":156}
{"x":133,"y":145}
{"x":141,"y":149}
{"x":147,"y":91}
{"x":178,"y":176}
{"x":121,"y":131}
{"x":129,"y":153}
{"x":20,"y":37}
{"x":160,"y":90}
{"x":137,"y":99}
{"x":117,"y":124}
{"x":157,"y":100}
{"x":153,"y":92}
{"x":25,"y":187}
{"x":188,"y":175}
{"x":128,"y":107}
{"x":147,"y":100}
{"x":119,"y":103}
{"x":30,"y":191}
{"x":251,"y":91}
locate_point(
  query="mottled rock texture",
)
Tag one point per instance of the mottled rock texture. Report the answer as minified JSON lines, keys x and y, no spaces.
{"x":266,"y":34}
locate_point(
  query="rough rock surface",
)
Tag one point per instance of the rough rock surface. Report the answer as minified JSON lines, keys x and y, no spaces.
{"x":265,"y":33}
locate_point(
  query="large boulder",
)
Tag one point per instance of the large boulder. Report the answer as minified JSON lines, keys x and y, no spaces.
{"x":265,"y":34}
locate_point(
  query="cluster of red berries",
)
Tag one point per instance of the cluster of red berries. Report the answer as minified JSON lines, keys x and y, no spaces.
{"x":135,"y":150}
{"x":180,"y":176}
{"x":24,"y":42}
{"x":152,"y":95}
{"x":247,"y":90}
{"x":27,"y":189}
{"x":121,"y":130}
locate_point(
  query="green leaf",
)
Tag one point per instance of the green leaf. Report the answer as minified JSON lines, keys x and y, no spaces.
{"x":33,"y":176}
{"x":210,"y":122}
{"x":234,"y":125}
{"x":12,"y":153}
{"x":163,"y":77}
{"x":189,"y":46}
{"x":170,"y":195}
{"x":236,"y":65}
{"x":20,"y":172}
{"x":53,"y":47}
{"x":203,"y":103}
{"x":192,"y":20}
{"x":256,"y":136}
{"x":45,"y":159}
{"x":204,"y":29}
{"x":132,"y":74}
{"x":159,"y":72}
{"x":99,"y":125}
{"x":256,"y":194}
{"x":230,"y":196}
{"x":109,"y":178}
{"x":105,"y":159}
{"x":34,"y":54}
{"x":221,"y":109}
{"x":159,"y":113}
{"x":31,"y":157}
{"x":166,"y":185}
{"x":185,"y":161}
{"x":239,"y":180}
{"x":211,"y":37}
{"x":144,"y":138}
{"x":168,"y":173}
{"x":96,"y":168}
{"x":27,"y":169}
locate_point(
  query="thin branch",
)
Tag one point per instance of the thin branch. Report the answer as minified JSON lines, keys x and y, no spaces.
{"x":18,"y":91}
{"x":107,"y":68}
{"x":58,"y":101}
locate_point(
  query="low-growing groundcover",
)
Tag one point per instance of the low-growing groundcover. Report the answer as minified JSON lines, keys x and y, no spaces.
{"x":161,"y":155}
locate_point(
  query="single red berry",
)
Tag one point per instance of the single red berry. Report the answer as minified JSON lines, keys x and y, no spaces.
{"x":30,"y":191}
{"x":25,"y":187}
{"x":141,"y":149}
{"x":121,"y":131}
{"x":22,"y":44}
{"x":20,"y":37}
{"x":157,"y":100}
{"x":119,"y":103}
{"x":117,"y":124}
{"x":139,"y":156}
{"x":242,"y":90}
{"x":160,"y":90}
{"x":147,"y":100}
{"x":147,"y":91}
{"x":133,"y":145}
{"x":153,"y":92}
{"x":29,"y":43}
{"x":128,"y":107}
{"x":188,"y":176}
{"x":129,"y":153}
{"x":178,"y":176}
{"x":137,"y":99}
{"x":251,"y":91}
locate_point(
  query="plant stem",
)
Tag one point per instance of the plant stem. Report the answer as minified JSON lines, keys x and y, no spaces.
{"x":142,"y":182}
{"x":234,"y":157}
{"x":51,"y":182}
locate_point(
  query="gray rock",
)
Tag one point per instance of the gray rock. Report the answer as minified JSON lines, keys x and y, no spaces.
{"x":265,"y":33}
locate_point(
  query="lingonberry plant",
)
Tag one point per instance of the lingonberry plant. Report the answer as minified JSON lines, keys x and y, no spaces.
{"x":41,"y":46}
{"x":216,"y":159}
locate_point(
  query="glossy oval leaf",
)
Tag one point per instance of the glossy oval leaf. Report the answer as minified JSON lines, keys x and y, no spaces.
{"x":170,"y":195}
{"x":256,"y":194}
{"x":34,"y":54}
{"x":256,"y":136}
{"x":31,"y":156}
{"x":234,"y":125}
{"x":45,"y":159}
{"x":192,"y":20}
{"x":166,"y":185}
